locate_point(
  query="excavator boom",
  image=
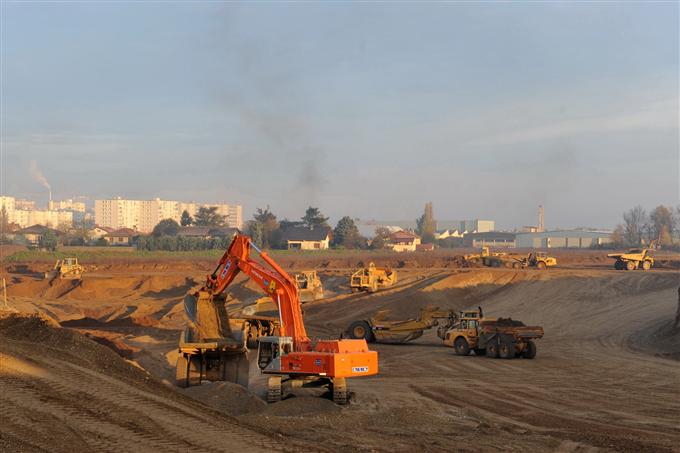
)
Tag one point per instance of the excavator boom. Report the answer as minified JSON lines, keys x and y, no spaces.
{"x":275,"y":282}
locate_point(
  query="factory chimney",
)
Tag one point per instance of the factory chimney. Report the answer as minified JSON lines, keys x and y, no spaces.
{"x":541,"y":219}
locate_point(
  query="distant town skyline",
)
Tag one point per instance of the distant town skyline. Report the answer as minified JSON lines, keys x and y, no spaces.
{"x":367,"y":110}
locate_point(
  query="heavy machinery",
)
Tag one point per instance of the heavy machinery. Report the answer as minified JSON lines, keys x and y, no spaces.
{"x":633,"y":259}
{"x":68,"y":268}
{"x":371,"y":278}
{"x":502,"y":337}
{"x":378,"y":329}
{"x":309,"y":286}
{"x":290,"y":357}
{"x":487,"y":258}
{"x":539,"y":260}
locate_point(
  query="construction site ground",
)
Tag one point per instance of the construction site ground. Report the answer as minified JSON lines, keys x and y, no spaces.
{"x":94,"y":372}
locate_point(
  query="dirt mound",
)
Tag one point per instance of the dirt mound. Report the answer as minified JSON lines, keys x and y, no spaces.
{"x":227,"y":397}
{"x":63,"y":392}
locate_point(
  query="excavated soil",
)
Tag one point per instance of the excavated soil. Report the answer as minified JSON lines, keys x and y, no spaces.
{"x":606,"y":378}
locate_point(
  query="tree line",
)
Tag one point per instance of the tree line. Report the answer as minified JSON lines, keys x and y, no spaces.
{"x":640,"y":227}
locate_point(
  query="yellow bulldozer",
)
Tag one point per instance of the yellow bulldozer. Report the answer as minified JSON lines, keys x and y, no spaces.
{"x":372,"y":278}
{"x":309,"y":286}
{"x":66,"y":269}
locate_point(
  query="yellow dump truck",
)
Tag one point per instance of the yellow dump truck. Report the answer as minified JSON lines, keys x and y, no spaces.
{"x":494,"y":337}
{"x":372,"y":278}
{"x":214,"y":343}
{"x":633,"y":259}
{"x":309,"y":286}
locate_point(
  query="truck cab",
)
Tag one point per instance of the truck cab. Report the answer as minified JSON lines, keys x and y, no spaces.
{"x":466,"y":326}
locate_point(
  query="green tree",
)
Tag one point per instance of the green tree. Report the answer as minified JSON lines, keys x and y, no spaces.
{"x":264,"y":227}
{"x":346,"y":234}
{"x":380,"y":239}
{"x":48,"y":241}
{"x":314,"y":219}
{"x":186,"y":219}
{"x":208,"y":216}
{"x":426,"y":225}
{"x":166,"y":227}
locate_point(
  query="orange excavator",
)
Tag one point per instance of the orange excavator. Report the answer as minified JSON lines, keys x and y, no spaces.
{"x":290,"y":357}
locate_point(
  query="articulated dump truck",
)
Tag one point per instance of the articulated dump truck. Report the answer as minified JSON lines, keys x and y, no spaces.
{"x":494,"y":337}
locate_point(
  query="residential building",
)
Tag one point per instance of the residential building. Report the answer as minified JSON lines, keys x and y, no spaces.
{"x":47,"y":218}
{"x":34,"y":234}
{"x":403,"y":241}
{"x":563,"y":239}
{"x":121,"y":237}
{"x":18,"y":212}
{"x":8,"y":205}
{"x":300,"y":238}
{"x":66,"y":205}
{"x":144,"y":215}
{"x":28,"y":205}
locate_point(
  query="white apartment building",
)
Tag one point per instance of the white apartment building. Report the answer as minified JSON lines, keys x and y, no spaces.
{"x":17,"y":213}
{"x":52,"y":219}
{"x":66,"y":205}
{"x":144,"y":215}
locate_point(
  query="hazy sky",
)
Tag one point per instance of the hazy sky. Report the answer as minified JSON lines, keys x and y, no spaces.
{"x":368,"y":110}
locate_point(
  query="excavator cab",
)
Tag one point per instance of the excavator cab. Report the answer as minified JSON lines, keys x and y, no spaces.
{"x":270,"y":350}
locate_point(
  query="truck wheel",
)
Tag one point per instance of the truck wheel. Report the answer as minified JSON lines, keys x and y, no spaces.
{"x":361,"y":330}
{"x":182,"y":372}
{"x":646,"y":265}
{"x":461,"y":346}
{"x":194,"y":377}
{"x":492,"y":349}
{"x":530,"y":351}
{"x":506,"y":349}
{"x":619,"y":265}
{"x":630,"y":265}
{"x":540,"y":265}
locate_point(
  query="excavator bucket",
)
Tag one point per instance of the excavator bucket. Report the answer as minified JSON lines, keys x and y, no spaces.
{"x":210,"y":347}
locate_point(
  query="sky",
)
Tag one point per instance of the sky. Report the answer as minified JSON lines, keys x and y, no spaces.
{"x":362,"y":109}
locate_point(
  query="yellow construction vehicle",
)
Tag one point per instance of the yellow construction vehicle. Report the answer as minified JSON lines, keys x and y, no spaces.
{"x":502,"y":337}
{"x":68,"y":268}
{"x":309,"y":286}
{"x":539,"y":260}
{"x":633,"y":259}
{"x":371,"y":278}
{"x":378,"y":329}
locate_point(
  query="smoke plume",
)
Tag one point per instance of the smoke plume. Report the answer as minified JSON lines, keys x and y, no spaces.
{"x":38,"y":175}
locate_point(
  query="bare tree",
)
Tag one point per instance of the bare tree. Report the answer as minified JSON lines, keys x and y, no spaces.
{"x":634,"y":225}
